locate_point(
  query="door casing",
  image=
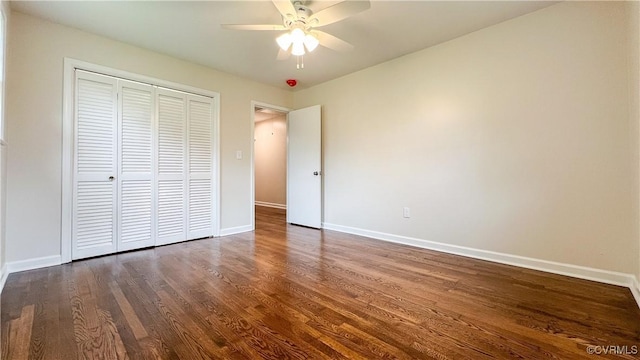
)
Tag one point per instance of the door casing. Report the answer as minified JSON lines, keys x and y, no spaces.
{"x":252,"y":198}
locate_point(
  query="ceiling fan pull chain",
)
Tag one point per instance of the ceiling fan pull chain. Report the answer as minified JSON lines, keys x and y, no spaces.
{"x":300,"y":62}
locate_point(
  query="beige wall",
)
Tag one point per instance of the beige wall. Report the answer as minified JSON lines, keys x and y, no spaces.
{"x":270,"y":157}
{"x":513,"y":139}
{"x":3,"y":160}
{"x":3,"y":202}
{"x":634,"y":101}
{"x":34,"y":125}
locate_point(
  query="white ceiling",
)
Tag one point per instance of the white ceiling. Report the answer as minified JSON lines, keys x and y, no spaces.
{"x":262,"y":114}
{"x":191,"y":30}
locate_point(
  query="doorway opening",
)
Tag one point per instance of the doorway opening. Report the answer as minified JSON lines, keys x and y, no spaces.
{"x":269,"y":163}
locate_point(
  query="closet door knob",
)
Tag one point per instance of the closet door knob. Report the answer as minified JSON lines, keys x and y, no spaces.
{"x":111,"y":178}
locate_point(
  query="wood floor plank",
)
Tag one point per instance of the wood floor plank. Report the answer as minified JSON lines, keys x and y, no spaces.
{"x":143,"y":299}
{"x":20,"y":334}
{"x":127,"y":310}
{"x":40,"y":336}
{"x":289,"y":292}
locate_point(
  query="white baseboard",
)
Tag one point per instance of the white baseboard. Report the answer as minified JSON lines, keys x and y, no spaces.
{"x":235,"y":230}
{"x":635,"y":289}
{"x":581,"y":272}
{"x":3,"y":277}
{"x":31,"y":264}
{"x":271,"y":205}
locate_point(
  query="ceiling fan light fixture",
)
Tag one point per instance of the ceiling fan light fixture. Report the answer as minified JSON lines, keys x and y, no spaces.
{"x":284,"y":41}
{"x":297,"y":48}
{"x":297,"y":35}
{"x":311,"y":42}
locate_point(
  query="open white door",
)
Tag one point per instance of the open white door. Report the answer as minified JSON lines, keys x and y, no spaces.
{"x":304,"y":153}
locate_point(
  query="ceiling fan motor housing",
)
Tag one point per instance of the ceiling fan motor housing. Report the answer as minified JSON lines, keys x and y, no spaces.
{"x":300,"y":18}
{"x":302,"y":11}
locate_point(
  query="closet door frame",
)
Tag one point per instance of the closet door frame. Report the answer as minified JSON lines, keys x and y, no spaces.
{"x":68,"y":140}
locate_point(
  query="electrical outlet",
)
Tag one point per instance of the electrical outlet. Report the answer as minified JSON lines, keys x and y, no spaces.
{"x":406,"y":212}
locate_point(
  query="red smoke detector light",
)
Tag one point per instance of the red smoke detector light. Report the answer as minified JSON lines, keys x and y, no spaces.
{"x":292,"y":82}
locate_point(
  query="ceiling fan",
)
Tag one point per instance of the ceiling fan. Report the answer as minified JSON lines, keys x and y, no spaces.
{"x":300,"y":24}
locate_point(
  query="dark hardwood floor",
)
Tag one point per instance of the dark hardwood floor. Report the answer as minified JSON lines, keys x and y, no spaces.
{"x":291,"y":292}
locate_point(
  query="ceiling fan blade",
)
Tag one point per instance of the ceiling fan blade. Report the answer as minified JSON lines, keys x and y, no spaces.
{"x":332,"y":42}
{"x":339,"y":12}
{"x":285,"y":7}
{"x":283,"y":55}
{"x":253,"y":27}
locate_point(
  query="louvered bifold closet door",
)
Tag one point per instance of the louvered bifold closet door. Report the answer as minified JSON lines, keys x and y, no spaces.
{"x":172,"y":166}
{"x":200,"y":162}
{"x":95,"y":166}
{"x":136,"y":220}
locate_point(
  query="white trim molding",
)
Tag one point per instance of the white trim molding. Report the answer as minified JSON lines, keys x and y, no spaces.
{"x":30,"y":264}
{"x":271,"y":205}
{"x":635,"y":289}
{"x":4,"y":274}
{"x":236,"y":230}
{"x":252,"y":186}
{"x":576,"y":271}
